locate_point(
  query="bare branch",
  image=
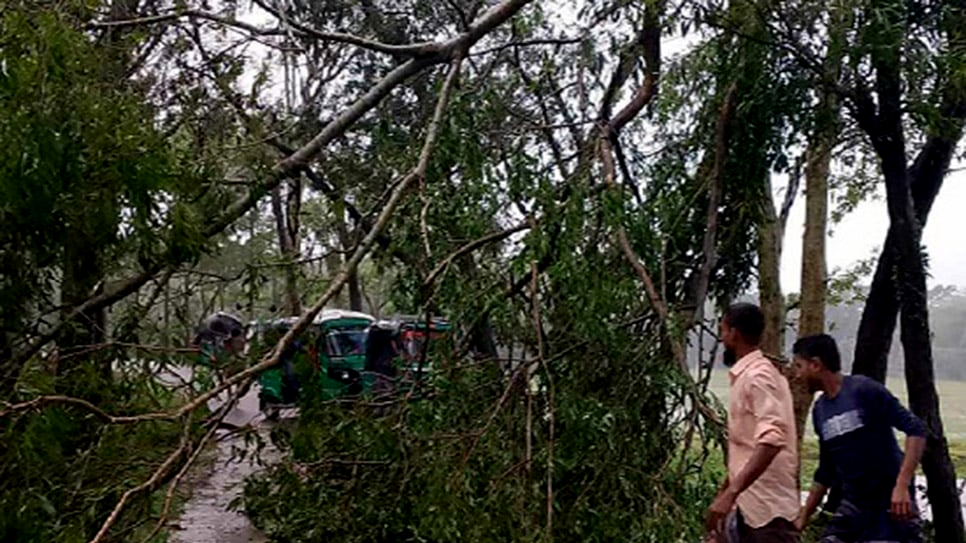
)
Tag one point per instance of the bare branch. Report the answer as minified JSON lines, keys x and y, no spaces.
{"x":43,"y":401}
{"x":528,"y":43}
{"x":412,"y":50}
{"x":303,"y":30}
{"x":716,"y":188}
{"x":443,"y":266}
{"x":650,"y":39}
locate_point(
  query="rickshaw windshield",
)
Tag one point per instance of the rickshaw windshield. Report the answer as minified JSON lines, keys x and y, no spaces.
{"x":345,"y":342}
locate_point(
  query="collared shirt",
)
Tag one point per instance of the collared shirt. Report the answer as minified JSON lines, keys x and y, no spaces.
{"x":760,"y":412}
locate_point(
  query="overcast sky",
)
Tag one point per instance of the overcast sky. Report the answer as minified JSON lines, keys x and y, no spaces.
{"x":863,"y":231}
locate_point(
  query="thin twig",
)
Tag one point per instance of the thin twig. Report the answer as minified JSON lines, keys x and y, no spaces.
{"x":494,"y":237}
{"x":43,"y":401}
{"x":528,"y":43}
{"x":489,"y":422}
{"x":424,"y":219}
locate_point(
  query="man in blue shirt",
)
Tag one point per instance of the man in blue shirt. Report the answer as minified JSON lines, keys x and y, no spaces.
{"x":854,"y":419}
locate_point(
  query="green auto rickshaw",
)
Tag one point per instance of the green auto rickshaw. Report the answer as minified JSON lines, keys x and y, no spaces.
{"x":398,"y":352}
{"x":327,"y":358}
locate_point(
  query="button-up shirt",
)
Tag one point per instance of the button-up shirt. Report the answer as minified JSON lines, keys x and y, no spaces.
{"x":760,"y":411}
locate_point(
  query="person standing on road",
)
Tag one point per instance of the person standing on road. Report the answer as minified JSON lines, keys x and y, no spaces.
{"x":854,"y":419}
{"x":759,"y":500}
{"x":221,"y":341}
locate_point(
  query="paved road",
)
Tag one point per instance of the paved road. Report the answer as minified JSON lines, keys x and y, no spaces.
{"x":206,"y":518}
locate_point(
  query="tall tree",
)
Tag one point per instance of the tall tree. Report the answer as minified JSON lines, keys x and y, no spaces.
{"x":286,"y":209}
{"x":882,"y":119}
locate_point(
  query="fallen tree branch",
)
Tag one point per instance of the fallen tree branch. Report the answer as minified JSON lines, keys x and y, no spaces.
{"x":164,"y":470}
{"x":43,"y":401}
{"x":429,"y":285}
{"x":716,"y":188}
{"x":273,"y":358}
{"x":607,"y":162}
{"x":173,"y":486}
{"x":446,"y":51}
{"x":148,"y":486}
{"x":478,"y":435}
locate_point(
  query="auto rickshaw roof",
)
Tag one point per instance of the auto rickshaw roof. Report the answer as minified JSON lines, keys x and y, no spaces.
{"x":325,"y":316}
{"x":328,"y":315}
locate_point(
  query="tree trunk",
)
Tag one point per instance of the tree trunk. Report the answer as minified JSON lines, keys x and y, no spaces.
{"x":482,"y":336}
{"x":814,"y":271}
{"x":769,"y":283}
{"x":888,"y":139}
{"x":355,"y":292}
{"x":81,"y":275}
{"x":818,"y":157}
{"x":347,"y":242}
{"x":917,"y":350}
{"x":286,"y":225}
{"x":874,"y":338}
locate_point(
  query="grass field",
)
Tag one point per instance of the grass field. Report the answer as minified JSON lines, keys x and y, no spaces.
{"x":952,"y":400}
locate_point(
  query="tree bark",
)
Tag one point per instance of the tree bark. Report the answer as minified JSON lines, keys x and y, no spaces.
{"x":818,"y":157}
{"x":917,"y":350}
{"x":881,"y":313}
{"x":814,"y":269}
{"x":355,"y":292}
{"x":355,"y":300}
{"x":82,"y":272}
{"x":769,"y":283}
{"x":287,"y":226}
{"x":813,"y":286}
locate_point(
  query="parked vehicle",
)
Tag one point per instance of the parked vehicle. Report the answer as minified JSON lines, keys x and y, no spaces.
{"x":328,"y":359}
{"x":397,"y":352}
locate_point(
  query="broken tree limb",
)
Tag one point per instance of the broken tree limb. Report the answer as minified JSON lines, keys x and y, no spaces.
{"x":447,"y":51}
{"x":273,"y":358}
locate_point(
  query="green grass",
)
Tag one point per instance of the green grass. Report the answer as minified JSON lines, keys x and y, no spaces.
{"x":952,"y":400}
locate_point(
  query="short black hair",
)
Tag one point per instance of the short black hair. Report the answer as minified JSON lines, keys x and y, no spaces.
{"x":747,"y":319}
{"x":822,"y":347}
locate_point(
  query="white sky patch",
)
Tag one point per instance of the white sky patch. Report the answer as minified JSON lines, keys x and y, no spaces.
{"x":862,"y":233}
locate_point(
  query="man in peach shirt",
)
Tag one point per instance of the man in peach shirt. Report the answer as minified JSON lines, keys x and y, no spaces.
{"x":759,"y":500}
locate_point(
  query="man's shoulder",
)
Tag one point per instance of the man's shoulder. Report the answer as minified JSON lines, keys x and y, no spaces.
{"x":764,"y":367}
{"x":862,"y":385}
{"x":763,"y":373}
